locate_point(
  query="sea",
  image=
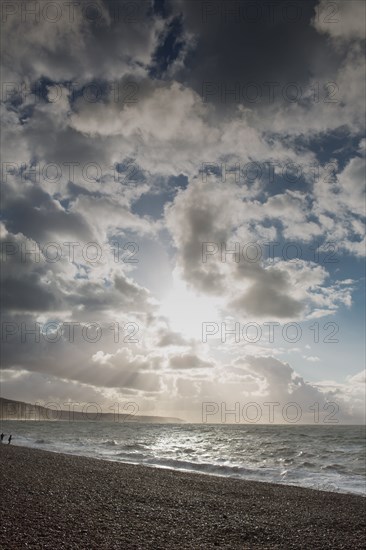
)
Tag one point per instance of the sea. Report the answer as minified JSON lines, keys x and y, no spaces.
{"x":323,"y":458}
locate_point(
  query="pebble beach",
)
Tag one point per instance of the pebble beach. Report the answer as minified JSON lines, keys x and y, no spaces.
{"x":52,"y":500}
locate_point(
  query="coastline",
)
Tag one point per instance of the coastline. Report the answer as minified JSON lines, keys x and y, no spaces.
{"x":66,"y":501}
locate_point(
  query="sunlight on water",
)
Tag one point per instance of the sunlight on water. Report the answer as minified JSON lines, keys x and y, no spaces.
{"x":323,"y":458}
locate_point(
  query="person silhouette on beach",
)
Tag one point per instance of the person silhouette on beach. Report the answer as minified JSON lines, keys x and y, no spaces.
{"x":2,"y":437}
{"x":10,"y":438}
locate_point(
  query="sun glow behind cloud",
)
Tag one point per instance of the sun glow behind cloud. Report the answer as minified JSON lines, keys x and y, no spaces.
{"x":187,"y":310}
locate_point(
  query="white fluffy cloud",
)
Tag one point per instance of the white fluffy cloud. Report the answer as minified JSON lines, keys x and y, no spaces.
{"x":206,"y":217}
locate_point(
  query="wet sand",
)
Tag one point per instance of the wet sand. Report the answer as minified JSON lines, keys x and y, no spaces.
{"x":59,"y":501}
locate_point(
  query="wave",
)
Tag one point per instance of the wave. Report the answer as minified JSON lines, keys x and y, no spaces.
{"x":204,"y":467}
{"x":335,"y":467}
{"x":264,"y":455}
{"x":308,"y":464}
{"x":132,"y":456}
{"x":110,"y":443}
{"x":134,"y":446}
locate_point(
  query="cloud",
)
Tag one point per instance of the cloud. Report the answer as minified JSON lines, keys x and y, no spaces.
{"x":206,"y":217}
{"x":277,"y":382}
{"x":264,"y":301}
{"x":32,"y":281}
{"x":149,"y":70}
{"x":79,"y":42}
{"x":342,"y":21}
{"x":32,"y":387}
{"x":42,"y":218}
{"x":255,"y":48}
{"x":350,"y":395}
{"x":188,"y":361}
{"x":170,"y":338}
{"x":340,"y":205}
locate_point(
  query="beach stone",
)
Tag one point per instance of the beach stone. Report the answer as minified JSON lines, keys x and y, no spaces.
{"x":50,"y":500}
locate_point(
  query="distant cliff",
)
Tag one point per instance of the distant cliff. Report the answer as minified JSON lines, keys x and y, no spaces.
{"x":17,"y":410}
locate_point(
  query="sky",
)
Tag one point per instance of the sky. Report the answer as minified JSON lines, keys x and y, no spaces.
{"x":183,"y":208}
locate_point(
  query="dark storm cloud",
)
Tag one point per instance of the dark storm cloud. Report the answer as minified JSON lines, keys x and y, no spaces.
{"x":38,"y":216}
{"x":238,"y":42}
{"x":32,"y":281}
{"x":26,"y":295}
{"x":23,"y":286}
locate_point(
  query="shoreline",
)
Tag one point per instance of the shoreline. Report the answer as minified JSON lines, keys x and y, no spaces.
{"x":66,"y":501}
{"x":192,"y":471}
